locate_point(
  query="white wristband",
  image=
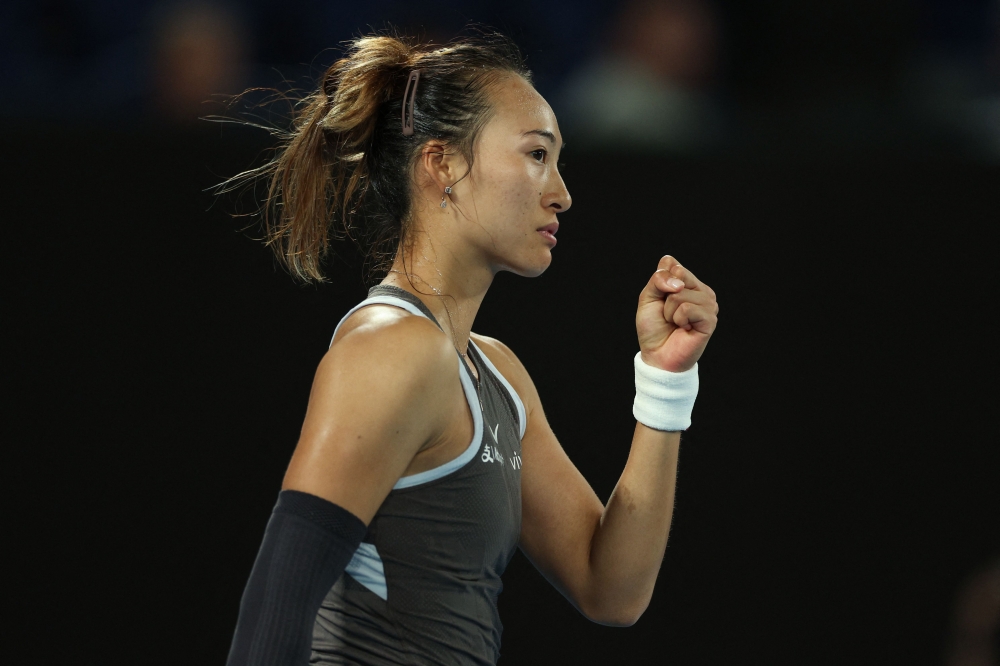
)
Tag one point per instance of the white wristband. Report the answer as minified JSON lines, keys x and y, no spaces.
{"x":663,"y":399}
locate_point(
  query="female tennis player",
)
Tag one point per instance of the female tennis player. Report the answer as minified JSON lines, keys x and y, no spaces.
{"x":425,"y":458}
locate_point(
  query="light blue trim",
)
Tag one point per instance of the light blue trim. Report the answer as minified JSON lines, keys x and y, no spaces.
{"x":379,"y":300}
{"x":477,"y":437}
{"x":468,"y":385}
{"x":521,"y":417}
{"x":366,"y":568}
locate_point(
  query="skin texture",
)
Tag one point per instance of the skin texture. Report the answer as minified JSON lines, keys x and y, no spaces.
{"x":603,"y":558}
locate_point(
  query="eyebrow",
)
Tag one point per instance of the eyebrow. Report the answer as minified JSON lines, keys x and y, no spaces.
{"x":545,"y":133}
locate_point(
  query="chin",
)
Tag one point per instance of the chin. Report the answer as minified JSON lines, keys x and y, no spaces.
{"x":530,"y":268}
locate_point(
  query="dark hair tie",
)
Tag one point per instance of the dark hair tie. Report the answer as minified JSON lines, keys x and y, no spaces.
{"x":409,"y":95}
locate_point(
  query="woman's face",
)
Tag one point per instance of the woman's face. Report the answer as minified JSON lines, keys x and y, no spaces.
{"x":514,"y":191}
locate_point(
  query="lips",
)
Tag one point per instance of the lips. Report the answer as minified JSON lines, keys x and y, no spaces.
{"x":548,"y":232}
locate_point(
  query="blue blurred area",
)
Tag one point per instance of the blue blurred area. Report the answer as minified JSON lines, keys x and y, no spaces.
{"x":105,"y":60}
{"x":688,"y":77}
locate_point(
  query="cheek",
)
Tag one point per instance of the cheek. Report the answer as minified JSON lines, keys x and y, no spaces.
{"x":512,"y":196}
{"x":521,"y":201}
{"x":524,"y":193}
{"x":515,"y":198}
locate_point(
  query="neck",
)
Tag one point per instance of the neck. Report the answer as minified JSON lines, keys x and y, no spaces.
{"x":446,"y":280}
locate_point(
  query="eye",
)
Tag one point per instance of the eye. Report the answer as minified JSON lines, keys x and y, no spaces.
{"x":540,"y":154}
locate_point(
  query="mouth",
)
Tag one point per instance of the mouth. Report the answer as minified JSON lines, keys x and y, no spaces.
{"x":549,"y":232}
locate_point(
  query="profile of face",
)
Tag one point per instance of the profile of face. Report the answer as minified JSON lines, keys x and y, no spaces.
{"x":504,"y":212}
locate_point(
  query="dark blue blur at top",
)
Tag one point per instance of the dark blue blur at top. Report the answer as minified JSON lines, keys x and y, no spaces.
{"x":105,"y":60}
{"x":678,"y":77}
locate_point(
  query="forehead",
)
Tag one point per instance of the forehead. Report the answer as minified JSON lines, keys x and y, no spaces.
{"x":518,"y":108}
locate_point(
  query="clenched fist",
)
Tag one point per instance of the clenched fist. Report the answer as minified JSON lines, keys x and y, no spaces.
{"x":677,"y":314}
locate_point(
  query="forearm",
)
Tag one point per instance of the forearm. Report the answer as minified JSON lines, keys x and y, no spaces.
{"x":307,"y":545}
{"x":628,"y":545}
{"x":605,"y":557}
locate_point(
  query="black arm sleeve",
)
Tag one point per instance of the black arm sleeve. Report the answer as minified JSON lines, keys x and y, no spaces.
{"x":307,"y":544}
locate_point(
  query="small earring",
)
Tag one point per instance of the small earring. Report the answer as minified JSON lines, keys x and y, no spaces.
{"x":444,"y":204}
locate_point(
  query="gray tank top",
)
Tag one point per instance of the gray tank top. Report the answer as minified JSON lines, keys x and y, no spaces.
{"x":422,"y":587}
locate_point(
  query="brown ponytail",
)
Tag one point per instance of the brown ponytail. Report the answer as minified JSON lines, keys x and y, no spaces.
{"x":344,"y":170}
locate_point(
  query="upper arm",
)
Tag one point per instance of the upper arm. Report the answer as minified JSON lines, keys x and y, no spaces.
{"x":559,"y":510}
{"x":375,"y":401}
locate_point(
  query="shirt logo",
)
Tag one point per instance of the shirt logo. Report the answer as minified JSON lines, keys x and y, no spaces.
{"x":492,"y":453}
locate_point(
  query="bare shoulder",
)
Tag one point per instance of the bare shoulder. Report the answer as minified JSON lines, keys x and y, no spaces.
{"x":403,"y":359}
{"x":378,"y":320}
{"x":510,"y":367}
{"x":499,"y":354}
{"x":386,"y":388}
{"x":395,"y":336}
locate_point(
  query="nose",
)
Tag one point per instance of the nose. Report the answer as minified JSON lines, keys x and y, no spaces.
{"x":558,"y":198}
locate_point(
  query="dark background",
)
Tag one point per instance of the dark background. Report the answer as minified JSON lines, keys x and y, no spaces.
{"x":839,"y":482}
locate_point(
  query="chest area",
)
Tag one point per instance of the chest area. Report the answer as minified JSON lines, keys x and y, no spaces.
{"x":500,"y":440}
{"x":469,"y":520}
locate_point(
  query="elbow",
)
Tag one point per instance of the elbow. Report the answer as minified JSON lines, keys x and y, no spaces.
{"x":612,"y":614}
{"x":617,"y":621}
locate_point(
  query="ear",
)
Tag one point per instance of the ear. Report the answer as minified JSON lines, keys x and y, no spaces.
{"x":441,"y":163}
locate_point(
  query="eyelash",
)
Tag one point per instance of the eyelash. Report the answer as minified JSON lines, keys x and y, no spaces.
{"x":540,"y":150}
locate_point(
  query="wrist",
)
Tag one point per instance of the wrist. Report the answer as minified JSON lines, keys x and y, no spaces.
{"x":663,"y":399}
{"x":650,"y":360}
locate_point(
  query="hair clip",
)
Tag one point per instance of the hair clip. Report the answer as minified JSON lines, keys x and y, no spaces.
{"x":409,"y":95}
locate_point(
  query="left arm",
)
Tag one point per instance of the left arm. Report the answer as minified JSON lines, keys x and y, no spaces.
{"x":605,"y":559}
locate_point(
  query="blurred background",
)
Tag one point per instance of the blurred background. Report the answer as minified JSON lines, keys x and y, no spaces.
{"x":830,"y":168}
{"x":689,"y":77}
